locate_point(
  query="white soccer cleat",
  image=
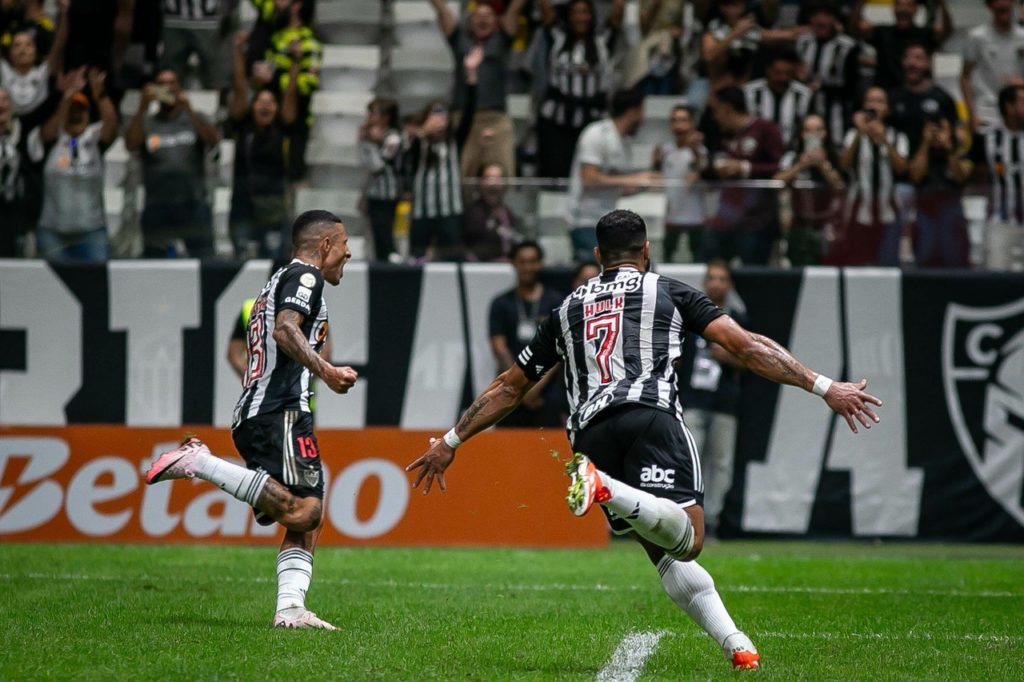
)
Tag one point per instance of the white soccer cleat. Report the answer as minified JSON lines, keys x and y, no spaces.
{"x":177,"y":463}
{"x":585,"y":486}
{"x":301,"y":619}
{"x":741,"y":652}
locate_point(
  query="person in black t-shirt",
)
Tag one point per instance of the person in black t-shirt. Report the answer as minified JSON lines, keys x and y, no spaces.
{"x":514,"y":318}
{"x":709,"y":387}
{"x":919,"y":98}
{"x":939,"y":171}
{"x":263,"y":162}
{"x":890,"y":41}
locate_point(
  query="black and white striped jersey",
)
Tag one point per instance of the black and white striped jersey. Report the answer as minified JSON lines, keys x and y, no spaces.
{"x":1004,"y":154}
{"x":618,"y":336}
{"x":579,"y":79}
{"x":273,"y":381}
{"x":786,"y":111}
{"x":834,"y":63}
{"x":437,"y":181}
{"x":193,"y":13}
{"x":382,"y":160}
{"x":871,"y":198}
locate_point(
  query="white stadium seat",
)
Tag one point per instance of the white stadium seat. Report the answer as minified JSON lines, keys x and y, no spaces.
{"x":350,"y":67}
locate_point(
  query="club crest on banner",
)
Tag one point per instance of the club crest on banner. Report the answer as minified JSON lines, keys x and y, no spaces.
{"x":983,"y":376}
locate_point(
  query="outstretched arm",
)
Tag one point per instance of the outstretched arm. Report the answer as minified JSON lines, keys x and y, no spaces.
{"x":489,"y":408}
{"x":769,"y":359}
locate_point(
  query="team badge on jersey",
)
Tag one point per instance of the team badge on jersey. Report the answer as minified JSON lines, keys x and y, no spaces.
{"x":983,"y":374}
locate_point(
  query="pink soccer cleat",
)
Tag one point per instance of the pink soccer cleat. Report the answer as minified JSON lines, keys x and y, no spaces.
{"x":177,"y":463}
{"x":301,"y":619}
{"x":585,"y":486}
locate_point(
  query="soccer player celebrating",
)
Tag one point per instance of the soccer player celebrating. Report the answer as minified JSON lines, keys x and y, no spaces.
{"x":617,"y":336}
{"x":273,"y":423}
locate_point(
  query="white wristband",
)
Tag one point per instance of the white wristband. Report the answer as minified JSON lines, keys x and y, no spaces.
{"x":452,"y":439}
{"x":821,"y":385}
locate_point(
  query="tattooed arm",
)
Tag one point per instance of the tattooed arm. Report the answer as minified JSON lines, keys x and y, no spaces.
{"x":289,"y":338}
{"x":489,"y":408}
{"x":769,"y":359}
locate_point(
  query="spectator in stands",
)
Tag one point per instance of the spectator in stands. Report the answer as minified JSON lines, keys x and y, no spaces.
{"x":831,"y":66}
{"x":733,"y":41}
{"x":173,"y":143}
{"x":664,"y":61}
{"x":812,"y":165}
{"x":709,"y":389}
{"x":433,"y":173}
{"x":1000,"y":150}
{"x":891,"y":41}
{"x":919,"y":97}
{"x":24,"y":77}
{"x":779,"y":97}
{"x":491,"y":229}
{"x":201,"y":29}
{"x":584,"y":272}
{"x":13,"y":165}
{"x":875,"y":155}
{"x":262,"y":132}
{"x":939,"y":170}
{"x":73,"y":224}
{"x":601,"y":170}
{"x":26,"y":16}
{"x":993,"y":57}
{"x":98,"y":35}
{"x":514,"y":318}
{"x":579,"y":77}
{"x":380,"y":150}
{"x":747,"y":220}
{"x":293,"y":43}
{"x":491,"y":137}
{"x":681,"y":162}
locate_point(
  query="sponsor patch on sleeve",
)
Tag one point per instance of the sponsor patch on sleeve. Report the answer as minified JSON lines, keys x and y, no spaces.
{"x":307,"y":279}
{"x":303,"y":293}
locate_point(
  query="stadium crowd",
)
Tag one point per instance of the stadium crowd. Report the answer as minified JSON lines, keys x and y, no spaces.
{"x":817,"y":138}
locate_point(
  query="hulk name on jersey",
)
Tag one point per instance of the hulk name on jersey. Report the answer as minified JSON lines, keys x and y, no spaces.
{"x":618,"y":336}
{"x":273,"y":381}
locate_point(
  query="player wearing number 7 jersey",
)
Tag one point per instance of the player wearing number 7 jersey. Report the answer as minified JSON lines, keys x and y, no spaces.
{"x":618,"y":336}
{"x":273,"y":424}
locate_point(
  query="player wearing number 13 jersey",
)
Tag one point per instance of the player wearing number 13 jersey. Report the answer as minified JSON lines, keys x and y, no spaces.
{"x":617,"y":337}
{"x":273,"y":425}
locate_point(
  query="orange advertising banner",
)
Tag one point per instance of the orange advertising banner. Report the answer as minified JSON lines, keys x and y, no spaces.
{"x":86,"y":484}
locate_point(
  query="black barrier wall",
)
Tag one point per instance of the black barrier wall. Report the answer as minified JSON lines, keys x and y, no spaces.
{"x":145,"y":343}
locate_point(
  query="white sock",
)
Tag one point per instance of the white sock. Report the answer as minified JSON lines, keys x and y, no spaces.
{"x":244,"y":484}
{"x":656,"y":519}
{"x":294,"y":573}
{"x":693,"y":590}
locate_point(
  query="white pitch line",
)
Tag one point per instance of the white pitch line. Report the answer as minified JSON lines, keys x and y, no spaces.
{"x":544,"y":587}
{"x":630,"y":656}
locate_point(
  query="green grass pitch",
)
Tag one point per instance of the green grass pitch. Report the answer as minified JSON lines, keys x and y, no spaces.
{"x":817,"y":611}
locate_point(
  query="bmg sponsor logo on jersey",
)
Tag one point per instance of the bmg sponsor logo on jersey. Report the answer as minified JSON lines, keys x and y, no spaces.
{"x":983,"y":374}
{"x":620,"y":285}
{"x":654,"y":476}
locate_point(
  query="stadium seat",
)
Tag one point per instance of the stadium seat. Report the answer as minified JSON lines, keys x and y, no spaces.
{"x":350,"y":67}
{"x":420,"y":75}
{"x":551,"y":210}
{"x":113,"y":205}
{"x":337,"y":117}
{"x":349,"y":22}
{"x":557,"y":249}
{"x":416,"y":23}
{"x":116,"y":162}
{"x":334,"y":165}
{"x":221,"y":220}
{"x":342,"y":202}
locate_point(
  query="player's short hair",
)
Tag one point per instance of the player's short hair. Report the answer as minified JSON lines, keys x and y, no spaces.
{"x":733,"y":96}
{"x":1007,"y":95}
{"x":624,"y":100}
{"x":527,"y":244}
{"x":621,"y":234}
{"x":308,"y":223}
